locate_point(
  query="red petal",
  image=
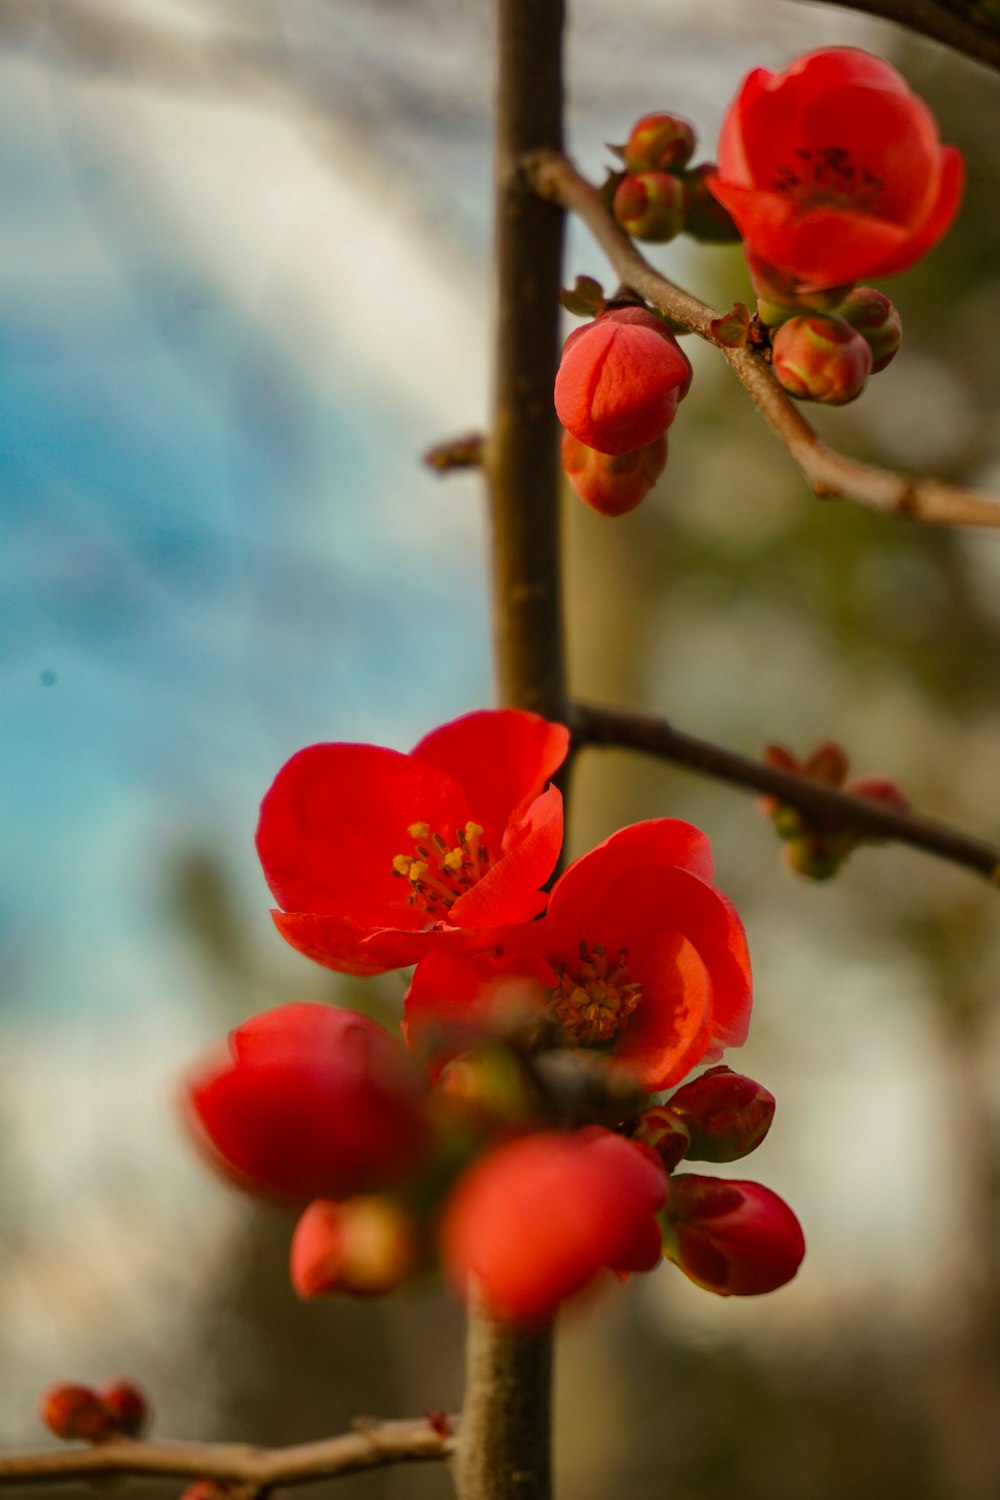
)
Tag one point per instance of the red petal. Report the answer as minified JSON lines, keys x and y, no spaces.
{"x":335,"y":818}
{"x":454,"y":996}
{"x":501,"y":758}
{"x":350,"y":949}
{"x":510,"y":891}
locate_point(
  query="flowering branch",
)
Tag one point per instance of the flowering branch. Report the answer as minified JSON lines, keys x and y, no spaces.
{"x":829,"y":473}
{"x":254,"y":1470}
{"x":615,"y":727}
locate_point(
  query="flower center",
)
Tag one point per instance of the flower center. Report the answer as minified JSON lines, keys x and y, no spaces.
{"x":594,"y":1001}
{"x":440,"y":872}
{"x":829,"y":176}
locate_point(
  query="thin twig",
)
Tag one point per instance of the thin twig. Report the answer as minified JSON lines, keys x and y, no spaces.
{"x":655,"y":736}
{"x":257,"y":1469}
{"x":957,"y":25}
{"x":829,"y":473}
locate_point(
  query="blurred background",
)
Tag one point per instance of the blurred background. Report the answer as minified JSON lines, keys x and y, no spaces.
{"x":243,"y":284}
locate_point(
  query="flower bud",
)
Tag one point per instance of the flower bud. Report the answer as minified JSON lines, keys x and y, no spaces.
{"x":75,"y":1412}
{"x":126,"y":1407}
{"x":651,"y":206}
{"x":821,"y":358}
{"x":664,"y":1132}
{"x":620,"y":381}
{"x":364,"y":1246}
{"x":659,"y":143}
{"x":726,"y":1115}
{"x":735,"y":1238}
{"x":612,"y":483}
{"x":707,"y":220}
{"x":877,"y":321}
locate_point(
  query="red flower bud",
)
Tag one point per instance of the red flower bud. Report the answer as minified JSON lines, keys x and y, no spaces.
{"x":664,"y":1132}
{"x":659,"y":143}
{"x":126,"y":1406}
{"x":821,"y":358}
{"x":538,"y":1219}
{"x":726,"y":1115}
{"x":734,"y":1238}
{"x":877,"y":321}
{"x":707,"y":220}
{"x":312,"y":1101}
{"x":612,"y":483}
{"x":365,"y":1246}
{"x":651,"y":206}
{"x":75,"y":1412}
{"x":620,"y":381}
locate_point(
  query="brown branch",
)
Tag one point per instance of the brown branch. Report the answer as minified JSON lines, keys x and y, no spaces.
{"x":255,"y":1469}
{"x":612,"y":727}
{"x":957,"y":25}
{"x":829,"y":473}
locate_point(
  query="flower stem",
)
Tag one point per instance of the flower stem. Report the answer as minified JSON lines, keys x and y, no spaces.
{"x":504,"y":1449}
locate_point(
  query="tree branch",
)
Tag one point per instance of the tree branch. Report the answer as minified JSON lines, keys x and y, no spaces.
{"x":612,"y":727}
{"x":255,"y":1469}
{"x":829,"y":473}
{"x":958,"y":25}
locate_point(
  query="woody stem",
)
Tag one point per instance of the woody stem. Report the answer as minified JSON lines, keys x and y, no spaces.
{"x":505,"y":1444}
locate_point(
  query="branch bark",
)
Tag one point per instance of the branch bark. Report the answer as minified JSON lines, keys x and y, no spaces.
{"x":828,"y":473}
{"x":373,"y":1445}
{"x":615,"y":727}
{"x":957,"y":25}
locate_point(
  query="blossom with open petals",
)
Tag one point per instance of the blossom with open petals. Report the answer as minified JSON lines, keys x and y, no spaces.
{"x":311,"y":1101}
{"x":834,"y":171}
{"x":642,"y":959}
{"x":375,"y":857}
{"x":537,"y":1220}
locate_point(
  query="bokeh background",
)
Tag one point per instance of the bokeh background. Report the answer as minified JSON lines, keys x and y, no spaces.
{"x":244,"y":257}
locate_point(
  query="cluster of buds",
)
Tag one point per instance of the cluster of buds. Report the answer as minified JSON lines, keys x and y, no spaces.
{"x":620,"y":381}
{"x":734,"y":1238}
{"x":824,"y":345}
{"x":78,"y":1413}
{"x":659,"y":195}
{"x":813,"y":846}
{"x":494,"y":1143}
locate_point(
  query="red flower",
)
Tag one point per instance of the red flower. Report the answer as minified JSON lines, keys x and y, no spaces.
{"x":538,"y":1219}
{"x":645,"y":961}
{"x":735,"y":1238}
{"x":311,"y":1102}
{"x":375,"y":856}
{"x":834,"y":171}
{"x":620,"y":380}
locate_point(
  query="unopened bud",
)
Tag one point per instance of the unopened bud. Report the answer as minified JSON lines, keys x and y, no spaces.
{"x":726,"y":1115}
{"x":707,"y":220}
{"x":612,"y":483}
{"x":651,"y":206}
{"x":735,"y":1238}
{"x":778,"y":290}
{"x":620,"y":380}
{"x":659,"y":143}
{"x":126,"y":1406}
{"x":664,"y":1132}
{"x":75,"y":1412}
{"x":365,"y":1246}
{"x":877,"y":321}
{"x":821,"y":358}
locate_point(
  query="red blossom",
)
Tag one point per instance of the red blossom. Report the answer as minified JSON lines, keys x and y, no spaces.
{"x":620,"y":381}
{"x":311,"y":1102}
{"x":538,"y":1220}
{"x":833,"y":171}
{"x":735,"y":1238}
{"x":642,"y":958}
{"x":376,"y":857}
